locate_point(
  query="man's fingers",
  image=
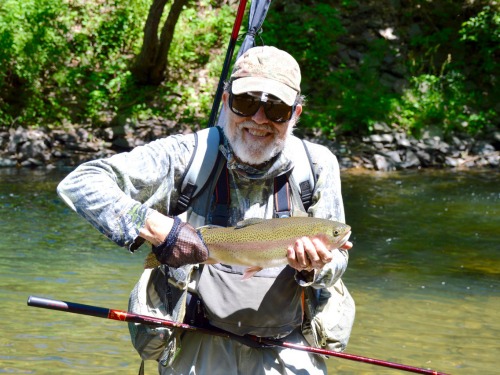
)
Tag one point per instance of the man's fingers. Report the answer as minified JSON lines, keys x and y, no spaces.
{"x":323,"y":252}
{"x":347,"y":246}
{"x":308,"y":253}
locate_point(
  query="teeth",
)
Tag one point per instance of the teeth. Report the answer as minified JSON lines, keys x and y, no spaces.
{"x":257,"y":133}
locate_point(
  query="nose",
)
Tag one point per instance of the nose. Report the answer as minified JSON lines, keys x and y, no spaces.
{"x":260,"y":116}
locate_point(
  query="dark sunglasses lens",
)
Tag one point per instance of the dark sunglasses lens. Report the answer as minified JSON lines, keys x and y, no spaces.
{"x":278,"y":112}
{"x":244,"y":105}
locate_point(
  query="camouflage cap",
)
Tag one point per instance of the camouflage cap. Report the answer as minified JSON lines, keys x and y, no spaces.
{"x":267,"y":69}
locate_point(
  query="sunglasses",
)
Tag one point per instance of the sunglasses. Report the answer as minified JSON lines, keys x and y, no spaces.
{"x":247,"y":105}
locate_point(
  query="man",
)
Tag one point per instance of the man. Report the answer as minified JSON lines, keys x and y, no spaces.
{"x":132,"y":196}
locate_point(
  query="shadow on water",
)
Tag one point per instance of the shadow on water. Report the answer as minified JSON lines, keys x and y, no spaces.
{"x":424,"y":273}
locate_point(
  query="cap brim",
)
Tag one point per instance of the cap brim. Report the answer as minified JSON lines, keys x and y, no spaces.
{"x":261,"y":84}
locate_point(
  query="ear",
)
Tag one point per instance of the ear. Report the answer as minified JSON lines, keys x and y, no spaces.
{"x":225,"y":98}
{"x":298,"y":110}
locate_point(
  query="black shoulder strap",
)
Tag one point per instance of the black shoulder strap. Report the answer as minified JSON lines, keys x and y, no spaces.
{"x":303,"y":175}
{"x":282,"y":204}
{"x":220,"y":215}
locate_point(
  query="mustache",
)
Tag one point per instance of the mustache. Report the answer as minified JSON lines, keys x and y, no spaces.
{"x":254,"y":126}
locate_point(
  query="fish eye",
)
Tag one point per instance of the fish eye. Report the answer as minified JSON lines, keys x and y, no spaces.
{"x":336,"y":233}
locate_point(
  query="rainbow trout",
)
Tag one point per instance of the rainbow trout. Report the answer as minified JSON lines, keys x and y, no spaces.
{"x":263,"y":243}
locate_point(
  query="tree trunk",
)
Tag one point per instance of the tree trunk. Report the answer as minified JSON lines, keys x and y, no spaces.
{"x":151,"y":63}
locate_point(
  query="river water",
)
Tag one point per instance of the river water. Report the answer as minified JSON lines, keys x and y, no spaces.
{"x":424,"y":272}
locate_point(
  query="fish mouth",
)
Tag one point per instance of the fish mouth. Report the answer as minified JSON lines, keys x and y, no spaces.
{"x":344,"y":239}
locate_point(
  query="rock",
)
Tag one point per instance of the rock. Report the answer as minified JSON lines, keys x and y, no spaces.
{"x":383,"y":164}
{"x":452,"y":162}
{"x":411,"y":160}
{"x":124,"y":143}
{"x":494,"y":159}
{"x":381,"y":127}
{"x":402,"y":140}
{"x":394,"y":157}
{"x":386,"y":150}
{"x":7,"y":163}
{"x":424,"y":157}
{"x":483,"y":148}
{"x":31,"y":163}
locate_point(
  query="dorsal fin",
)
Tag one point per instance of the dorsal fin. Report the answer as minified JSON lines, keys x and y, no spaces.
{"x":248,"y":222}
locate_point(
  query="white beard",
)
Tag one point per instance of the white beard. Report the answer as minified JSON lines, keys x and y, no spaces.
{"x":253,"y":153}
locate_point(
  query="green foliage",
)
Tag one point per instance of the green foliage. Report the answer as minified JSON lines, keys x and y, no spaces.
{"x":64,"y":61}
{"x":481,"y":34}
{"x":440,"y":101}
{"x":32,"y":49}
{"x":309,"y":34}
{"x":195,"y":61}
{"x":340,"y":98}
{"x":68,"y":61}
{"x":454,"y":65}
{"x":193,"y":70}
{"x":358,"y":99}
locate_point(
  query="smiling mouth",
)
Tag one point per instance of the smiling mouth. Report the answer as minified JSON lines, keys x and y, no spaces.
{"x":257,"y":132}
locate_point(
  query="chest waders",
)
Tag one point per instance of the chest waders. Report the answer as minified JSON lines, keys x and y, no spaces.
{"x":207,"y":164}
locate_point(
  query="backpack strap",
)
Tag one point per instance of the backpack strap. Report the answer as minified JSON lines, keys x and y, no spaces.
{"x":201,"y":166}
{"x":282,"y":204}
{"x":304,"y":178}
{"x":220,"y":214}
{"x":303,"y":174}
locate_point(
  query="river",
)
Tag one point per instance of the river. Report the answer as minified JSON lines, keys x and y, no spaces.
{"x":424,"y":272}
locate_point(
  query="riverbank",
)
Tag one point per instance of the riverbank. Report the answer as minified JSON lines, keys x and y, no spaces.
{"x":385,"y":150}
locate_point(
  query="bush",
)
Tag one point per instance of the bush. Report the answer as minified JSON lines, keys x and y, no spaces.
{"x":68,"y":61}
{"x":65,"y":61}
{"x":454,"y":71}
{"x":441,"y":101}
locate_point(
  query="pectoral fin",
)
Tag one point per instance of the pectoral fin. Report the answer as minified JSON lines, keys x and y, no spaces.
{"x":211,"y":260}
{"x":250,"y":271}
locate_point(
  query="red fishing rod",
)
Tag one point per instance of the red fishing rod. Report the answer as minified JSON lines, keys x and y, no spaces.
{"x":227,"y":62}
{"x":124,"y":316}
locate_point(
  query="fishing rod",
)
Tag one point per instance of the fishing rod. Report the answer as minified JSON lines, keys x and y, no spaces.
{"x":227,"y":61}
{"x":124,"y":316}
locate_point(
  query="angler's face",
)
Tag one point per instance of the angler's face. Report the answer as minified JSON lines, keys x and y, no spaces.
{"x":254,"y":137}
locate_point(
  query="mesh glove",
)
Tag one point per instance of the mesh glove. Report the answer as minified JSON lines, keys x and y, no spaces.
{"x":183,"y":245}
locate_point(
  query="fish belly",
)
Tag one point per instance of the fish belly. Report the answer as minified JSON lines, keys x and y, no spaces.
{"x":264,"y":254}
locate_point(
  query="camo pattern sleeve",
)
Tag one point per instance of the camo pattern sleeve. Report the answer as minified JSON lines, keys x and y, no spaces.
{"x":117,"y":194}
{"x":327,"y":204}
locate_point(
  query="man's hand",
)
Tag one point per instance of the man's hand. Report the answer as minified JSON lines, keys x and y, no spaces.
{"x":174,"y":243}
{"x":311,"y":253}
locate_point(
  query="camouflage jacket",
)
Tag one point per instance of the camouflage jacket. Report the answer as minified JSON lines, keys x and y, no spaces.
{"x":117,"y":194}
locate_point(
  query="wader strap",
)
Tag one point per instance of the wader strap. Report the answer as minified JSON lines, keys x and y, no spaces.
{"x":282,"y":205}
{"x":220,"y":214}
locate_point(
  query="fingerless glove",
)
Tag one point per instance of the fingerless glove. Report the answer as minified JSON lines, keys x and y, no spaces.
{"x":183,"y":245}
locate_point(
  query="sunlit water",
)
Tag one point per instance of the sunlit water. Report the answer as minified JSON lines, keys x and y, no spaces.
{"x":424,"y":273}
